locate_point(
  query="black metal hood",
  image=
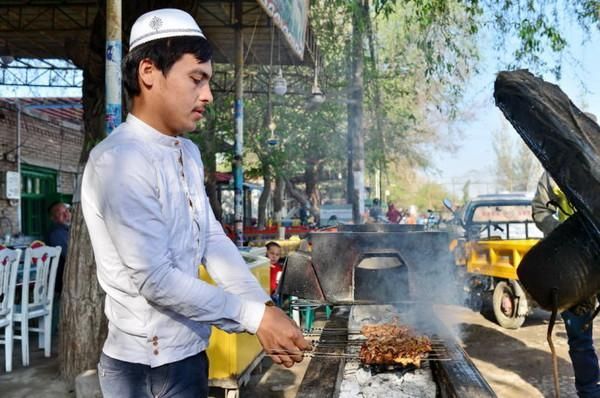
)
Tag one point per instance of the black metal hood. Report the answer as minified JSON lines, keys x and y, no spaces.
{"x":567,"y":143}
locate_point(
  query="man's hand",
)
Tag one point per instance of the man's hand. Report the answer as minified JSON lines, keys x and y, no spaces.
{"x":281,"y":338}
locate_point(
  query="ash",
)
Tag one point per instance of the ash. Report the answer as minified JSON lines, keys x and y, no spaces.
{"x":359,"y":382}
{"x":364,"y":383}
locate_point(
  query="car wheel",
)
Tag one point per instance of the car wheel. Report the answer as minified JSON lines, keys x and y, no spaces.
{"x":505,"y":306}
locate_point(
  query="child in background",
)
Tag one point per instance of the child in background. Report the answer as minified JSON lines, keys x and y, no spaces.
{"x":274,"y":255}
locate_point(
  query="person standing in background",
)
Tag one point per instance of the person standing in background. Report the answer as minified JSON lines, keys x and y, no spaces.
{"x":393,"y":215}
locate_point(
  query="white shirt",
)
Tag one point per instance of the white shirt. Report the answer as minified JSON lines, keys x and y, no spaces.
{"x":151,"y":225}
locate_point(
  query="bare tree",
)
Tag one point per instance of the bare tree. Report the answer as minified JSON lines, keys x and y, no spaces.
{"x":517,"y":169}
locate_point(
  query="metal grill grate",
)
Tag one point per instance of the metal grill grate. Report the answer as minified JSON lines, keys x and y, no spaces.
{"x":346,"y":344}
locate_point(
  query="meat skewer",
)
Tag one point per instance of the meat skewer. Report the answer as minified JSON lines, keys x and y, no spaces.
{"x":390,"y":344}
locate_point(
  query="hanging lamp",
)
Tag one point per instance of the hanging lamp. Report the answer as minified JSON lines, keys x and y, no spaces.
{"x":317,"y":95}
{"x":272,"y":141}
{"x":279,"y":83}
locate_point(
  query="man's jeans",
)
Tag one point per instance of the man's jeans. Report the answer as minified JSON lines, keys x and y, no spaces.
{"x":182,"y":379}
{"x":583,"y":355}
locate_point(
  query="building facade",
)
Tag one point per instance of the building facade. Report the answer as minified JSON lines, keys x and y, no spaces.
{"x":42,"y":139}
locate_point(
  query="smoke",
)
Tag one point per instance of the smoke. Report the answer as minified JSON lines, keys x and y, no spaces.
{"x":413,"y":270}
{"x":439,"y":286}
{"x":425,"y":282}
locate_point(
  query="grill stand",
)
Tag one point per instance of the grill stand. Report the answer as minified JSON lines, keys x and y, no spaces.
{"x":324,"y":375}
{"x":456,"y":378}
{"x":460,"y":378}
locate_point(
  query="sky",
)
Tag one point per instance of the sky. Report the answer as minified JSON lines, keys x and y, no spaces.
{"x":24,"y":91}
{"x":474,"y":159}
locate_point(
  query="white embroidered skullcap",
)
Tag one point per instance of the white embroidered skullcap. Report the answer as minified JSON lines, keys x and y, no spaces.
{"x":163,"y":23}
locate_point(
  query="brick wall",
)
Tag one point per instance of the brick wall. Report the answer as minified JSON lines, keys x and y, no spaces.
{"x":45,"y":142}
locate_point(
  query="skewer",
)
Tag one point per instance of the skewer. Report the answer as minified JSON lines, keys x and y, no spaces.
{"x":360,"y":341}
{"x":311,"y":353}
{"x":349,"y":330}
{"x":431,"y":354}
{"x":437,"y":345}
{"x":354,"y":358}
{"x":340,"y":333}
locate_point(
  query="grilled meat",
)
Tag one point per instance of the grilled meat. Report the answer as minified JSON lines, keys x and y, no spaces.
{"x":389,"y":344}
{"x":383,"y":330}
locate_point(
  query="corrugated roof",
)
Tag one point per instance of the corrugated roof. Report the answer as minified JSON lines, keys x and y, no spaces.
{"x":65,"y":109}
{"x":66,"y":27}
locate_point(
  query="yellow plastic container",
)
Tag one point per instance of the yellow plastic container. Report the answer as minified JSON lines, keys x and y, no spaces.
{"x":232,"y":356}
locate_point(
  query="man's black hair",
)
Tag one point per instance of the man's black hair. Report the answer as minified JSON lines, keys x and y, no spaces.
{"x":271,"y":244}
{"x":163,"y":53}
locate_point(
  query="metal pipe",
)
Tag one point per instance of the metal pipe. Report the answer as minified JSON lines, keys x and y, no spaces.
{"x":55,"y":106}
{"x":113,"y":65}
{"x":19,"y":205}
{"x":238,"y":173}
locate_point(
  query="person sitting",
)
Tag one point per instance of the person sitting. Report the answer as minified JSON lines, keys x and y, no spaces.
{"x":274,"y":255}
{"x":375,"y":210}
{"x":58,"y":235}
{"x":333,"y":221}
{"x":304,"y":213}
{"x":411,"y":217}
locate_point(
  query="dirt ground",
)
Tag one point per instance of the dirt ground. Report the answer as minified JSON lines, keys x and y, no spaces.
{"x":516,"y":363}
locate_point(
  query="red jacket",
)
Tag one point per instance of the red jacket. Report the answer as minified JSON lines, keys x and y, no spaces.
{"x":275,"y":274}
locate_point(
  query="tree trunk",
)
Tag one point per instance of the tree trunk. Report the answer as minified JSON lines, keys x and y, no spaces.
{"x":209,"y":156}
{"x":278,"y":199}
{"x":312,"y":171}
{"x":213,"y":195}
{"x":350,"y":132}
{"x":300,"y":197}
{"x":377,"y":109}
{"x":83,"y":325}
{"x":355,"y":113}
{"x":264,"y":197}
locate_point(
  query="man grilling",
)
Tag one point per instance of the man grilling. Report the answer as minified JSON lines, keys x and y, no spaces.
{"x":151,"y":226}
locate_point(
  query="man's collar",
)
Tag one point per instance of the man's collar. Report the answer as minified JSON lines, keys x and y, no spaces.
{"x":151,"y":134}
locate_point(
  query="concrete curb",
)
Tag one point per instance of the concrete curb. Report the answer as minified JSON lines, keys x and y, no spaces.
{"x":87,"y":385}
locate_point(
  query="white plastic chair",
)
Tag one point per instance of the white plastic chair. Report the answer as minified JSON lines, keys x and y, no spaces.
{"x":39,"y":275}
{"x":9,"y":266}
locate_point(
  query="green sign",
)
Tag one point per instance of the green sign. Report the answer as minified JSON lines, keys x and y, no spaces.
{"x":291,"y":17}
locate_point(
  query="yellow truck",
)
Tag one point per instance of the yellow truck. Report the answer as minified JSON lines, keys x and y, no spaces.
{"x":497,"y":231}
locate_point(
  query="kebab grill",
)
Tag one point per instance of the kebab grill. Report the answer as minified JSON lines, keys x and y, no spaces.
{"x":383,"y":338}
